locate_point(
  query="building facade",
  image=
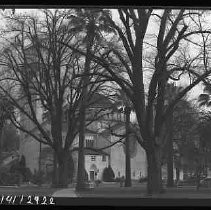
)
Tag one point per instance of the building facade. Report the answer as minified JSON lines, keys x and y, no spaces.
{"x":98,"y":153}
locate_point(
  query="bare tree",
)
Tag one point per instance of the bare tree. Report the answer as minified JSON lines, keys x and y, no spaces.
{"x":40,"y":72}
{"x":172,"y":30}
{"x":91,"y":22}
{"x":6,"y":110}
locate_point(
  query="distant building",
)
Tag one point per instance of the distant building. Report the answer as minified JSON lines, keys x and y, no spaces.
{"x":40,"y":157}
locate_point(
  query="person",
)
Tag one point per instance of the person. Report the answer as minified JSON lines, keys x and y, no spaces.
{"x":97,"y":182}
{"x":22,"y":167}
{"x":198,"y":178}
{"x":122,"y":179}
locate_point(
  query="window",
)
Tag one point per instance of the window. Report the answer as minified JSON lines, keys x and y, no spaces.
{"x":93,"y":157}
{"x":45,"y":114}
{"x":102,"y":126}
{"x":89,"y":141}
{"x":103,"y":158}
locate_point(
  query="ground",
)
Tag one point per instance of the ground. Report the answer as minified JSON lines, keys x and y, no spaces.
{"x":26,"y":191}
{"x":138,"y":190}
{"x":108,"y":190}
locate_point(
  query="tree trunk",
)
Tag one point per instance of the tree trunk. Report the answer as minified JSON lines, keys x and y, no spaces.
{"x":127,"y":150}
{"x":177,"y":174}
{"x":154,"y":183}
{"x":170,"y":168}
{"x":61,"y":175}
{"x":1,"y":140}
{"x":82,"y":118}
{"x":81,"y":165}
{"x":170,"y":163}
{"x":63,"y":172}
{"x":55,"y":170}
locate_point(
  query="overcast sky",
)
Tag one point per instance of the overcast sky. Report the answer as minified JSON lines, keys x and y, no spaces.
{"x":192,"y":95}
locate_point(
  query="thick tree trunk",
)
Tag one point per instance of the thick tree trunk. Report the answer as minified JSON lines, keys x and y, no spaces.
{"x":82,"y":118}
{"x":61,"y":175}
{"x":63,"y":171}
{"x":1,"y":140}
{"x":170,"y":168}
{"x":55,"y":170}
{"x":177,"y":174}
{"x":127,"y":150}
{"x":81,"y":162}
{"x":170,"y":161}
{"x":154,"y":184}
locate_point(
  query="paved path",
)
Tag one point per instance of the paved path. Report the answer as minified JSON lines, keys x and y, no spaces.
{"x":139,"y":191}
{"x":70,"y":192}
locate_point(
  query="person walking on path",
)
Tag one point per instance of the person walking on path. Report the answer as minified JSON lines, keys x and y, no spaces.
{"x":198,"y":177}
{"x":122,"y":179}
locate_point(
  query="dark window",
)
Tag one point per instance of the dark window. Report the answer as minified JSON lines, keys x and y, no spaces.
{"x":45,"y":114}
{"x":103,"y":158}
{"x":89,"y":143}
{"x":93,"y":158}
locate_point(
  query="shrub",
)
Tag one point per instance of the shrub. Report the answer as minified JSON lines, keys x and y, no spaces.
{"x":97,"y":182}
{"x":7,"y":178}
{"x":143,"y":179}
{"x":28,"y":174}
{"x":38,"y":177}
{"x":14,"y":178}
{"x":117,"y":179}
{"x":108,"y":174}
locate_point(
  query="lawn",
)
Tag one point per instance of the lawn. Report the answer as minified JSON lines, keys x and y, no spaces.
{"x":26,"y":191}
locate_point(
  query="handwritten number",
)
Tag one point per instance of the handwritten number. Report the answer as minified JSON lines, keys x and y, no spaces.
{"x":51,"y":201}
{"x":2,"y":198}
{"x":36,"y":198}
{"x":44,"y":201}
{"x":9,"y":199}
{"x":21,"y":199}
{"x":30,"y":200}
{"x":14,"y":199}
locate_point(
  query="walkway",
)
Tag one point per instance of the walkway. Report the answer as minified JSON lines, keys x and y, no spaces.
{"x":138,"y":191}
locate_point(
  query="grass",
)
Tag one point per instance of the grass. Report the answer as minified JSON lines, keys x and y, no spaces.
{"x":26,"y":191}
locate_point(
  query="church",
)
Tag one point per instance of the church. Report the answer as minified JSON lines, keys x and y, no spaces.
{"x":40,"y":157}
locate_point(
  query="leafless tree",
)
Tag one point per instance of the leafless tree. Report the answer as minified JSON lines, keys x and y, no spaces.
{"x":174,"y":28}
{"x":39,"y":72}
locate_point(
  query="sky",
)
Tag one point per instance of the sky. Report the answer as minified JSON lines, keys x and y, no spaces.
{"x":197,"y":90}
{"x":193,"y":94}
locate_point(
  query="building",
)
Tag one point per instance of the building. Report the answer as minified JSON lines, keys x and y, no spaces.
{"x":40,"y":157}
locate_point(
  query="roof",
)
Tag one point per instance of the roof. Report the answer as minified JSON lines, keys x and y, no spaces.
{"x":99,"y":100}
{"x":95,"y":151}
{"x":92,"y":152}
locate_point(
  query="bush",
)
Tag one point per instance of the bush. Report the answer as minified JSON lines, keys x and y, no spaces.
{"x":7,"y":178}
{"x":97,"y":182}
{"x":117,"y":179}
{"x":14,"y":178}
{"x":38,"y":177}
{"x":143,"y":179}
{"x":28,"y":174}
{"x":108,"y":174}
